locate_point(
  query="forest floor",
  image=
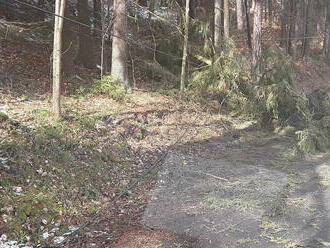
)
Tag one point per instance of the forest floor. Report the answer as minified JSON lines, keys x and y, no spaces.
{"x":200,"y":179}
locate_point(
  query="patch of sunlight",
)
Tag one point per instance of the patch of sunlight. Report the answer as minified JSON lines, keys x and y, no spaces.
{"x":323,"y":171}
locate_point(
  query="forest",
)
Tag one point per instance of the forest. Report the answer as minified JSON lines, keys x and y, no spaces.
{"x":165,"y":123}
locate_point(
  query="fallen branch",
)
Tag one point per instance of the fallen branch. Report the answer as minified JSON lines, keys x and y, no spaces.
{"x":26,"y":24}
{"x":210,"y":175}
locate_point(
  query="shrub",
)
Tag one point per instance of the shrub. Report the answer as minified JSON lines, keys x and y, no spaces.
{"x":157,"y":72}
{"x":222,"y":76}
{"x":272,"y":100}
{"x":230,"y":80}
{"x":106,"y":86}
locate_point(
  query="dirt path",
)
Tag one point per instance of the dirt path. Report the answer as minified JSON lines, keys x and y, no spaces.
{"x":243,"y":190}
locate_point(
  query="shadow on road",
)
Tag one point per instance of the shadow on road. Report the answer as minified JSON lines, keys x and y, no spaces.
{"x":243,"y":190}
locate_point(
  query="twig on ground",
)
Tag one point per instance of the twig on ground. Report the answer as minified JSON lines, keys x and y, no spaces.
{"x":210,"y":175}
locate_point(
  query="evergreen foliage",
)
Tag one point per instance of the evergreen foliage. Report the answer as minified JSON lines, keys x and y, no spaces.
{"x":272,"y":100}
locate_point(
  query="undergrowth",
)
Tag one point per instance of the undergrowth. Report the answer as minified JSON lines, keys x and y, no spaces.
{"x":104,"y":86}
{"x":54,"y":169}
{"x":272,"y":99}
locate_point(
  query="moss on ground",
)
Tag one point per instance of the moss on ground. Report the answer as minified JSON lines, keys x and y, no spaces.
{"x":53,"y":169}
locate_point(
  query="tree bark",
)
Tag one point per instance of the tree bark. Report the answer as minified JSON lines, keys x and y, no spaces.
{"x":70,"y":44}
{"x":185,"y":49}
{"x":217,"y":26}
{"x":143,"y":3}
{"x":97,"y":12}
{"x":239,"y":12}
{"x":307,"y":28}
{"x":248,"y":27}
{"x":118,"y":65}
{"x":57,"y":56}
{"x":151,"y":8}
{"x":291,"y":27}
{"x":85,"y":51}
{"x":257,"y":35}
{"x":326,"y":43}
{"x":284,"y":22}
{"x":226,"y":19}
{"x":297,"y":31}
{"x":270,"y":11}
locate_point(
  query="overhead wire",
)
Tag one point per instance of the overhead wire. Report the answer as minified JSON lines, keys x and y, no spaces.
{"x":133,"y":42}
{"x":99,"y":30}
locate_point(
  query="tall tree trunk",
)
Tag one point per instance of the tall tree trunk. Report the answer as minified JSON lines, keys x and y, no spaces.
{"x":143,"y":3}
{"x":239,"y":12}
{"x":291,"y":27}
{"x":270,"y":11}
{"x":97,"y":13}
{"x":257,"y":35}
{"x":226,"y":19}
{"x":284,"y":22}
{"x":103,"y":17}
{"x":70,"y":44}
{"x":185,"y":49}
{"x":118,"y":64}
{"x":297,"y":31}
{"x":57,"y":56}
{"x":85,"y":51}
{"x":326,"y":43}
{"x":248,"y":27}
{"x":217,"y":26}
{"x":307,"y":28}
{"x":151,"y":8}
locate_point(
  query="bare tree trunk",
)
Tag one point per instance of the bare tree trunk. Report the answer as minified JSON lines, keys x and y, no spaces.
{"x":143,"y":3}
{"x":270,"y":11}
{"x":118,"y":65}
{"x":185,"y":49}
{"x":257,"y":35}
{"x":239,"y":12}
{"x":103,"y":20}
{"x":291,"y":27}
{"x":217,"y":26}
{"x":86,"y":46}
{"x":226,"y":19}
{"x":97,"y":13}
{"x":151,"y":8}
{"x":307,"y":27}
{"x":284,"y":22}
{"x":297,"y":21}
{"x":57,"y":56}
{"x":248,"y":27}
{"x":326,"y":43}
